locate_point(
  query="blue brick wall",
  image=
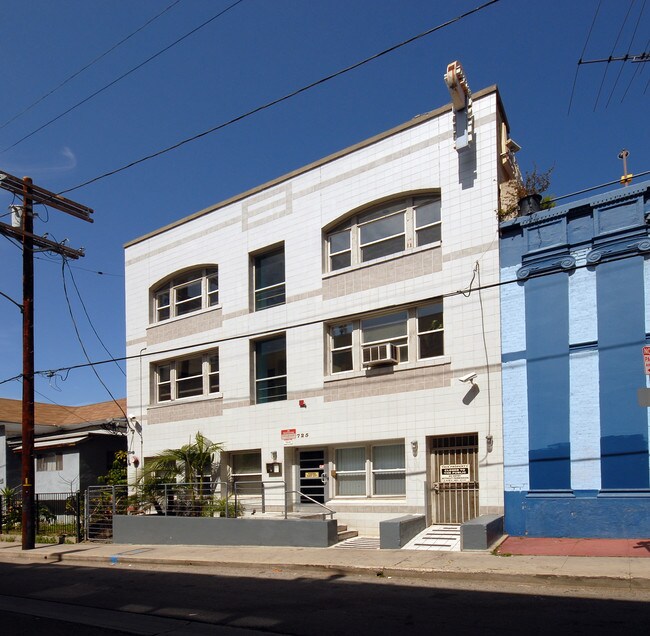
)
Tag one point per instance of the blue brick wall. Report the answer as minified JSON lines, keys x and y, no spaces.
{"x":576,"y":459}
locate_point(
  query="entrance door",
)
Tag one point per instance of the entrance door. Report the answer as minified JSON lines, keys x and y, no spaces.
{"x":312,"y":475}
{"x":454,"y":477}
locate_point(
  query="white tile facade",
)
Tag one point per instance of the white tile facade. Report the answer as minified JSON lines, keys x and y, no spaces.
{"x":420,"y":399}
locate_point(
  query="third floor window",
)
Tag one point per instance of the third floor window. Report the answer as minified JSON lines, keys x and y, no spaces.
{"x":268,"y":275}
{"x":186,"y":293}
{"x":381,"y":231}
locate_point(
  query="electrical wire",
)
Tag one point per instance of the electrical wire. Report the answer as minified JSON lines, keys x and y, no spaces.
{"x":83,"y":348}
{"x":83,"y":269}
{"x":627,"y":55}
{"x":636,"y":70}
{"x":90,"y":322}
{"x":121,"y":77}
{"x":324,"y":320}
{"x":279,"y":100}
{"x":584,"y":49}
{"x":61,"y":406}
{"x":600,"y":88}
{"x":87,"y":66}
{"x":598,"y":187}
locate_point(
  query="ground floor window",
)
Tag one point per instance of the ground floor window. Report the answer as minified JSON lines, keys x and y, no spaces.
{"x":371,"y":470}
{"x":49,"y":462}
{"x":246,"y":472}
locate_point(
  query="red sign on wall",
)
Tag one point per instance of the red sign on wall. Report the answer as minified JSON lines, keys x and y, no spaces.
{"x":646,"y":359}
{"x":288,"y":435}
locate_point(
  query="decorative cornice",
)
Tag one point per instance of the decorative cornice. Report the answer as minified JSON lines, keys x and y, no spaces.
{"x":613,"y":249}
{"x":561,"y":262}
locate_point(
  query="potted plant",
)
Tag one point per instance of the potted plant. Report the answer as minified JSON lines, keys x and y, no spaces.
{"x":530,"y":190}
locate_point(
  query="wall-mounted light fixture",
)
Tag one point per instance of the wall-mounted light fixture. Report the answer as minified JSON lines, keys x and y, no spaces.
{"x":414,"y":448}
{"x":489,"y":442}
{"x":274,"y":455}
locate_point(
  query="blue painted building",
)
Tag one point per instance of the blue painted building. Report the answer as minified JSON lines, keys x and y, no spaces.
{"x":574,"y":323}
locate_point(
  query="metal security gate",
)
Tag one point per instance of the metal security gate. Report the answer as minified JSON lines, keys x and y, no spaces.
{"x":312,"y":475}
{"x":102,"y":504}
{"x":454,"y":477}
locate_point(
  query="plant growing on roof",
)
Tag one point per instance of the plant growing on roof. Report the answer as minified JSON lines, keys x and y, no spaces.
{"x":534,"y":182}
{"x":530,"y":188}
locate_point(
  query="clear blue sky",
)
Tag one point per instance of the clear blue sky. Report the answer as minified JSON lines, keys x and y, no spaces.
{"x":256,"y":52}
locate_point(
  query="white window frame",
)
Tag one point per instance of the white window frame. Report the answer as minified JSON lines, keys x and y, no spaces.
{"x":207,"y":376}
{"x":412,"y":337}
{"x":280,"y":287}
{"x":209,"y":295}
{"x":259,"y":380}
{"x":411,"y":231}
{"x":49,"y":462}
{"x":369,"y":471}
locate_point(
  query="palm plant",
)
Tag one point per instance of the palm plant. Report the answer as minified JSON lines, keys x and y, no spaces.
{"x":191,"y":465}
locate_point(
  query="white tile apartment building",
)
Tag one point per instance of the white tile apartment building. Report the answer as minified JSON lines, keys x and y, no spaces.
{"x":312,"y":321}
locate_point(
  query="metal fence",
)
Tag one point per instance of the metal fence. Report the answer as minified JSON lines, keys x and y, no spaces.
{"x":200,"y":499}
{"x":102,"y":504}
{"x":55,"y":514}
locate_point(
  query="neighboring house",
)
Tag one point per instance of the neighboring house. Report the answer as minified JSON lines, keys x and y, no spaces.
{"x":574,"y":325}
{"x":313,"y":325}
{"x":73,"y":445}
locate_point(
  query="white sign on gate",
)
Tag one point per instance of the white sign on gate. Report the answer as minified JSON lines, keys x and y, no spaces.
{"x":454,"y":473}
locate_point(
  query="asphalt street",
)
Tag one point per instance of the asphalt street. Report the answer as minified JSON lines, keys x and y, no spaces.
{"x":143,"y":599}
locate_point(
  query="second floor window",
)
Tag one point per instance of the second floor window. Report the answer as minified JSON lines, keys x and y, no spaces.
{"x":416,"y":333}
{"x":271,"y":370}
{"x":186,"y":293}
{"x":187,"y":377}
{"x":268,"y":274}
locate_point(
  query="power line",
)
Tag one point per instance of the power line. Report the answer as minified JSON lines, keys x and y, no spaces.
{"x":600,"y":88}
{"x":598,"y":187}
{"x":636,"y":70}
{"x":584,"y":48}
{"x":83,"y":269}
{"x":87,"y":66}
{"x":629,"y":48}
{"x":279,"y":100}
{"x":466,"y":292}
{"x":83,"y":348}
{"x":90,"y":322}
{"x":121,"y":77}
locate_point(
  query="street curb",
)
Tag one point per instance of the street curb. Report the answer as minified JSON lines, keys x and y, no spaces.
{"x":597,"y":581}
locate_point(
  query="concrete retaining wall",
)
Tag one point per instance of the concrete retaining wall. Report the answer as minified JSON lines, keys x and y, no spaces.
{"x":159,"y":530}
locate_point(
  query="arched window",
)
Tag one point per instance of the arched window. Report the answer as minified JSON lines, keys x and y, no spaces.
{"x":186,"y":293}
{"x":390,"y":228}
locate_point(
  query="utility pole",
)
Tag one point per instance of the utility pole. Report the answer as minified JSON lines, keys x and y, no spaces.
{"x":22,"y":228}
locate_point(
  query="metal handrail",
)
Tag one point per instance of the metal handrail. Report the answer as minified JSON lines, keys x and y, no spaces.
{"x":330,"y":512}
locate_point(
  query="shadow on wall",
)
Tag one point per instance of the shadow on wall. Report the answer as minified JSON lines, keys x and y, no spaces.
{"x":467,"y":166}
{"x":470,"y":396}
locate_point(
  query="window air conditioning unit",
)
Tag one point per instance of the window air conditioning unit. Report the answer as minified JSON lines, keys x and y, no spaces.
{"x":376,"y":355}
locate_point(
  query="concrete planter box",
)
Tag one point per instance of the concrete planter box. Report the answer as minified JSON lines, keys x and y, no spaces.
{"x":396,"y":533}
{"x":481,"y":533}
{"x":160,"y":530}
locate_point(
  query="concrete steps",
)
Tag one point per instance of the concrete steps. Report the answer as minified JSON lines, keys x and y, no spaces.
{"x":343,"y":533}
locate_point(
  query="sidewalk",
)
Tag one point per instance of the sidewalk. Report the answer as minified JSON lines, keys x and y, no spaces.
{"x":621,"y":572}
